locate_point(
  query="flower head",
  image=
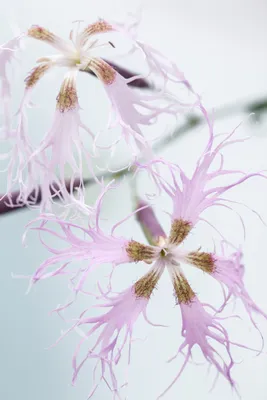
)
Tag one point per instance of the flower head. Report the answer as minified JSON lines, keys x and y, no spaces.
{"x":167,"y":252}
{"x":43,"y":168}
{"x":75,"y":53}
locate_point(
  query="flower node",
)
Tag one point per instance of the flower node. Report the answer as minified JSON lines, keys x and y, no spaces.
{"x":102,"y":70}
{"x":182,"y":290}
{"x":201,"y":260}
{"x":179,"y":231}
{"x":67,"y":98}
{"x":140,"y":252}
{"x":145,"y":286}
{"x":35,"y":74}
{"x":39,"y":33}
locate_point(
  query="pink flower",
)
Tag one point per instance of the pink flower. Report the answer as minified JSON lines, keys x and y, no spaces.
{"x":167,"y":251}
{"x":44,"y":167}
{"x":62,"y":146}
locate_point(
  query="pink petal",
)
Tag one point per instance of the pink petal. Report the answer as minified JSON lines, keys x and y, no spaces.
{"x":131,"y":110}
{"x":125,"y":309}
{"x":7,"y":54}
{"x":201,"y":328}
{"x":192,"y":196}
{"x":230,"y":272}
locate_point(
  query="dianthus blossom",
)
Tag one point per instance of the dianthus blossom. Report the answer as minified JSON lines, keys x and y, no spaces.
{"x":63,"y":149}
{"x":85,"y":249}
{"x":201,"y":323}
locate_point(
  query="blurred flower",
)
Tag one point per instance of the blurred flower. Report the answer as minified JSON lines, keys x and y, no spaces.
{"x":62,"y":147}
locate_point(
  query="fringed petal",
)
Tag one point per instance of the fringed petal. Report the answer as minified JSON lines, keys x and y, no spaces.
{"x":8,"y":52}
{"x":192,"y":196}
{"x":90,"y":245}
{"x":202,"y":328}
{"x":229,"y":271}
{"x":116,"y":326}
{"x":131,"y":109}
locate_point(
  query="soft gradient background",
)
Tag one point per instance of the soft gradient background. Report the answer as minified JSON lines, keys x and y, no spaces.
{"x":221,"y":46}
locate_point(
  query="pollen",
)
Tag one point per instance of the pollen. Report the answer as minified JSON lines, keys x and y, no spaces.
{"x":140,"y":252}
{"x":102,"y":70}
{"x":202,"y":260}
{"x":36,"y":74}
{"x":179,"y":231}
{"x":67,"y":98}
{"x":39,"y":33}
{"x":182,"y":290}
{"x":145,"y":286}
{"x":100,"y":26}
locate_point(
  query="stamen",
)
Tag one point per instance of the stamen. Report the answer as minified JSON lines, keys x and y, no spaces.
{"x":36,"y":74}
{"x":97,"y":27}
{"x":179,"y":231}
{"x":67,"y":98}
{"x":43,"y":59}
{"x":40,"y":33}
{"x":140,"y":252}
{"x":102,"y":70}
{"x":202,"y":260}
{"x":182,"y":290}
{"x":145,"y":286}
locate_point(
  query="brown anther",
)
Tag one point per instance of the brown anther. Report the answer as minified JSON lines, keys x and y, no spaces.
{"x":202,"y":260}
{"x":67,"y":98}
{"x":179,"y":231}
{"x":145,"y":286}
{"x":39,"y":33}
{"x":36,"y":74}
{"x":102,"y":70}
{"x":43,"y":59}
{"x":182,"y":290}
{"x":100,"y":26}
{"x":140,"y":252}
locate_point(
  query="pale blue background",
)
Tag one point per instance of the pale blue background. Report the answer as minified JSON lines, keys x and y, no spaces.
{"x":221,"y":46}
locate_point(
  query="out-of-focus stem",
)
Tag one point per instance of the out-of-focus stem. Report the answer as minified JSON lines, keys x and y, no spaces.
{"x":258,"y":107}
